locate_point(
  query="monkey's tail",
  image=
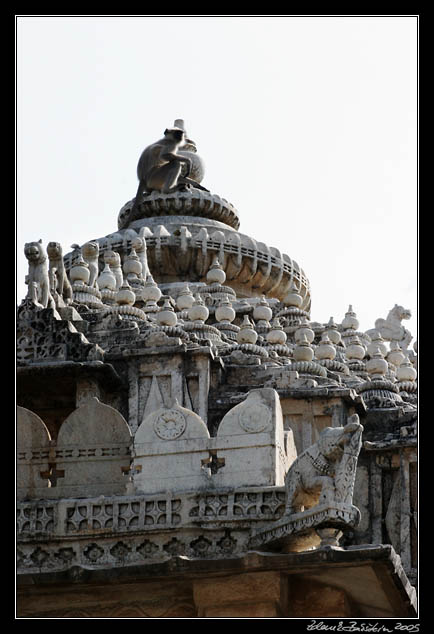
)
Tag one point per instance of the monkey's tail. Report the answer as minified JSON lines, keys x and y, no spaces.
{"x":137,"y":199}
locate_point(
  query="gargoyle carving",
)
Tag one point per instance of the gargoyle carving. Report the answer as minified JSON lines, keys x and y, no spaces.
{"x":325,"y":472}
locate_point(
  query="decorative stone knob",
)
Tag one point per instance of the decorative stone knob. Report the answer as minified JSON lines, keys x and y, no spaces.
{"x":132,"y":265}
{"x":325,"y":349}
{"x":406,"y":371}
{"x":79,"y":272}
{"x":276,"y":336}
{"x":106,"y":279}
{"x":396,"y":355}
{"x":377,"y":341}
{"x":292,"y":298}
{"x":125,"y":295}
{"x":185,"y":299}
{"x":332,"y":332}
{"x":303,"y":351}
{"x":215,"y":275}
{"x":304,"y":331}
{"x":151,"y":292}
{"x":262,"y":311}
{"x":198,"y":311}
{"x":354,"y":350}
{"x":377,"y":365}
{"x":167,"y":316}
{"x":350,"y":320}
{"x":246,"y":333}
{"x":224,"y":311}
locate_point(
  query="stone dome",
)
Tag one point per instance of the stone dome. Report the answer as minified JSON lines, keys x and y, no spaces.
{"x":185,"y":229}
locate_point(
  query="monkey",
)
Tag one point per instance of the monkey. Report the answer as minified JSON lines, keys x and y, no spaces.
{"x":160,"y":164}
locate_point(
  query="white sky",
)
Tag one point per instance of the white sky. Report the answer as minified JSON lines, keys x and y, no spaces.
{"x":307,"y":125}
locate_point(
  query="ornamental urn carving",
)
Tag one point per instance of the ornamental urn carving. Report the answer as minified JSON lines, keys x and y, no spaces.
{"x":132,"y":265}
{"x":276,"y":336}
{"x":303,"y":350}
{"x":304,"y":331}
{"x":246,"y":333}
{"x":395,"y":355}
{"x":151,"y":292}
{"x":125,"y":295}
{"x":406,"y":371}
{"x":292,"y":297}
{"x":332,"y":332}
{"x":166,"y":316}
{"x":325,"y":349}
{"x":198,"y":311}
{"x":224,"y":312}
{"x":106,"y":279}
{"x":350,"y":321}
{"x":377,"y":365}
{"x":354,"y":350}
{"x":262,"y":311}
{"x":215,"y":275}
{"x":377,"y":341}
{"x":185,"y":299}
{"x":79,"y":272}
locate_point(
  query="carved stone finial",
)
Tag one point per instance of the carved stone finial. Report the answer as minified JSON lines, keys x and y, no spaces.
{"x":377,"y":366}
{"x":216,"y":274}
{"x":185,"y":299}
{"x":247,"y":333}
{"x":350,"y":321}
{"x":167,"y":316}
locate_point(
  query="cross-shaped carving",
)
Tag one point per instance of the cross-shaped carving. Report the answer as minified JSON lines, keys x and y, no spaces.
{"x":214,"y":463}
{"x":52,"y":474}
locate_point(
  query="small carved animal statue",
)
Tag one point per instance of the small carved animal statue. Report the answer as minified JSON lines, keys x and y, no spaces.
{"x":324,"y":473}
{"x":56,"y":269}
{"x":38,"y":279}
{"x":90,"y":252}
{"x":391,"y":328}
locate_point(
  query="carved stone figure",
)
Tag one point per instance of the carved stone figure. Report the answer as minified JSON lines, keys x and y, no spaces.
{"x":38,"y":279}
{"x":90,"y":252}
{"x":56,"y":269}
{"x":391,"y":328}
{"x":324,"y":473}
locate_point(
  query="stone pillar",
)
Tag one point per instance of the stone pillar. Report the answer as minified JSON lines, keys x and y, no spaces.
{"x":249,"y":595}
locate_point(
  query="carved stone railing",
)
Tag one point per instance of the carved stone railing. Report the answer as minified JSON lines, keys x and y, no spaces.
{"x":63,"y":518}
{"x":126,"y":530}
{"x":252,"y":268}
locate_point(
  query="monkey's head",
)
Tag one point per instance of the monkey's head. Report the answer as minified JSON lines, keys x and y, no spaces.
{"x":177,"y":134}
